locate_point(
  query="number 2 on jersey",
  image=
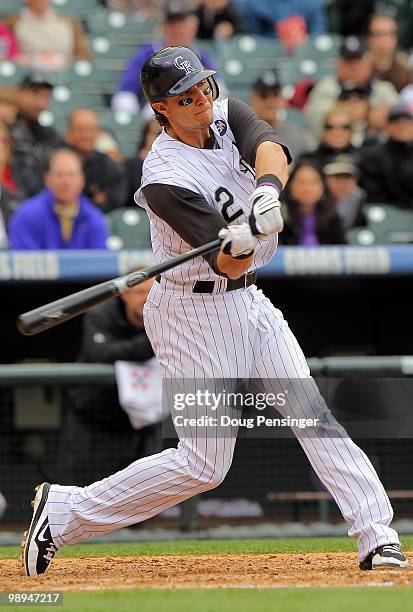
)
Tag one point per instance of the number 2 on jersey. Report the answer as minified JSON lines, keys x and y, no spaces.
{"x":226,"y":199}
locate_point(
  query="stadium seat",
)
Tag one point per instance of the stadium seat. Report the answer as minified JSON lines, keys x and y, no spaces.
{"x":389,"y":224}
{"x":109,"y":47}
{"x":126,"y":127}
{"x":250,"y":46}
{"x":207,"y":46}
{"x":115,"y":22}
{"x":244,"y":57}
{"x":65,"y":100}
{"x":360,"y":236}
{"x":320,"y":47}
{"x":386,"y":224}
{"x":8,"y":7}
{"x":76,"y":8}
{"x":10,"y":73}
{"x":128,"y":229}
{"x":296,"y":117}
{"x":85,"y":77}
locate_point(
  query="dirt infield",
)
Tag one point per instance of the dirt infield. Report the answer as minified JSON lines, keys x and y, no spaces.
{"x":191,"y":571}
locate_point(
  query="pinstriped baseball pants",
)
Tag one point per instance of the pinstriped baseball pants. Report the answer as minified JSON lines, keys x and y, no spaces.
{"x":234,"y":335}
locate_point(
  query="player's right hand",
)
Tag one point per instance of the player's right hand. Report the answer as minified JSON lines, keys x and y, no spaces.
{"x":238,"y":241}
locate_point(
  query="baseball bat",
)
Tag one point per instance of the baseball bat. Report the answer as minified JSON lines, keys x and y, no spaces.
{"x":48,"y":316}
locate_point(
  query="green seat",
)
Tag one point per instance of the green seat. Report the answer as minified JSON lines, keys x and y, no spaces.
{"x":111,"y":22}
{"x":209,"y":47}
{"x":128,"y":229}
{"x":249,"y":46}
{"x":84,"y":77}
{"x":360,"y":236}
{"x":109,"y":47}
{"x":75,"y":8}
{"x":389,"y":224}
{"x":296,"y":117}
{"x":11,"y":73}
{"x":8,"y":7}
{"x":243,"y":58}
{"x":319,"y":47}
{"x":66,"y":100}
{"x":121,"y":122}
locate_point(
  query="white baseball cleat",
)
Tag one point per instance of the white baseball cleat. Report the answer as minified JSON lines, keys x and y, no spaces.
{"x":386,"y":556}
{"x":38,"y":548}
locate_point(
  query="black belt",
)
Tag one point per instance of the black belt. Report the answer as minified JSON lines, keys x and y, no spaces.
{"x":208,"y":286}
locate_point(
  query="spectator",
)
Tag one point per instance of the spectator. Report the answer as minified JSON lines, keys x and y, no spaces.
{"x":217,"y":19}
{"x":8,"y":200}
{"x":104,"y":178}
{"x":60,"y":217}
{"x":6,"y":146}
{"x":290,"y":21}
{"x":32,"y":142}
{"x":356,"y":102}
{"x":133,"y":165}
{"x":353,"y":66}
{"x":268,"y":102}
{"x":48,"y":40}
{"x":389,"y":64}
{"x":335,"y":138}
{"x":8,"y":104}
{"x":9,"y":48}
{"x":386,"y":168}
{"x":113,"y":331}
{"x":342,"y":176}
{"x":180,"y":28}
{"x":309,"y":212}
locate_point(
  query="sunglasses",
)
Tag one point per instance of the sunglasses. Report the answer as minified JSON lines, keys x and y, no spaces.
{"x":337,"y":126}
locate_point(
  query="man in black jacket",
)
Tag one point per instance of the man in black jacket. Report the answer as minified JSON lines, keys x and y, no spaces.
{"x":32,"y":142}
{"x":105,"y":183}
{"x":386,"y":168}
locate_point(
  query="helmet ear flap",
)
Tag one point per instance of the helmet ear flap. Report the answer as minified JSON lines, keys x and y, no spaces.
{"x":214,"y":87}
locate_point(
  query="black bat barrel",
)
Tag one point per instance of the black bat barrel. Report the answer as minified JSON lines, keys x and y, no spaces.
{"x":45,"y":317}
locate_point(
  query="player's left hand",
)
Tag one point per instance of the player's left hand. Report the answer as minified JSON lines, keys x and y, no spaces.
{"x":265,"y":217}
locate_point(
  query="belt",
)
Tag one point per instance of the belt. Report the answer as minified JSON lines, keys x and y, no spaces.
{"x":208,"y":286}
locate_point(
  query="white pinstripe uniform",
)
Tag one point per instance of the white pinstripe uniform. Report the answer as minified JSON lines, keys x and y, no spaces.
{"x":233,"y":335}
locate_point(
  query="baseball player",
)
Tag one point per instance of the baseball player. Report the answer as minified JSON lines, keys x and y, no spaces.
{"x":215,"y":170}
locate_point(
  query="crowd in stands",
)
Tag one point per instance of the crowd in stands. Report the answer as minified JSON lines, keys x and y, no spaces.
{"x":350,"y":131}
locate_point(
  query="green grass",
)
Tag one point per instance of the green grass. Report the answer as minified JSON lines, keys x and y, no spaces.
{"x":243,"y":600}
{"x":206,"y":547}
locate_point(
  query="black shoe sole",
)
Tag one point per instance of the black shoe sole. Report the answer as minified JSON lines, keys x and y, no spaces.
{"x":33,"y":524}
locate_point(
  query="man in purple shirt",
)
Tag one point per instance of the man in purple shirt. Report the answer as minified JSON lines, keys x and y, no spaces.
{"x":60,"y":216}
{"x":180,"y":28}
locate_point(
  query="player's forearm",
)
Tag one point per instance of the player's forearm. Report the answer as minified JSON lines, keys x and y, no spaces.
{"x":231,"y":267}
{"x":271,"y":159}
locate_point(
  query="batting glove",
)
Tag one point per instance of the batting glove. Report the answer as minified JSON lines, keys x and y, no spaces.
{"x":265,"y":217}
{"x":238,"y":241}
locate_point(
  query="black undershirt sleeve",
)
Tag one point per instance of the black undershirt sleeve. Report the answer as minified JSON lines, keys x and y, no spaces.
{"x":249,"y":131}
{"x":188,"y":213}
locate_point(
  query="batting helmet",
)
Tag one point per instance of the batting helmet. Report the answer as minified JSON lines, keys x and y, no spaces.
{"x":171,"y":71}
